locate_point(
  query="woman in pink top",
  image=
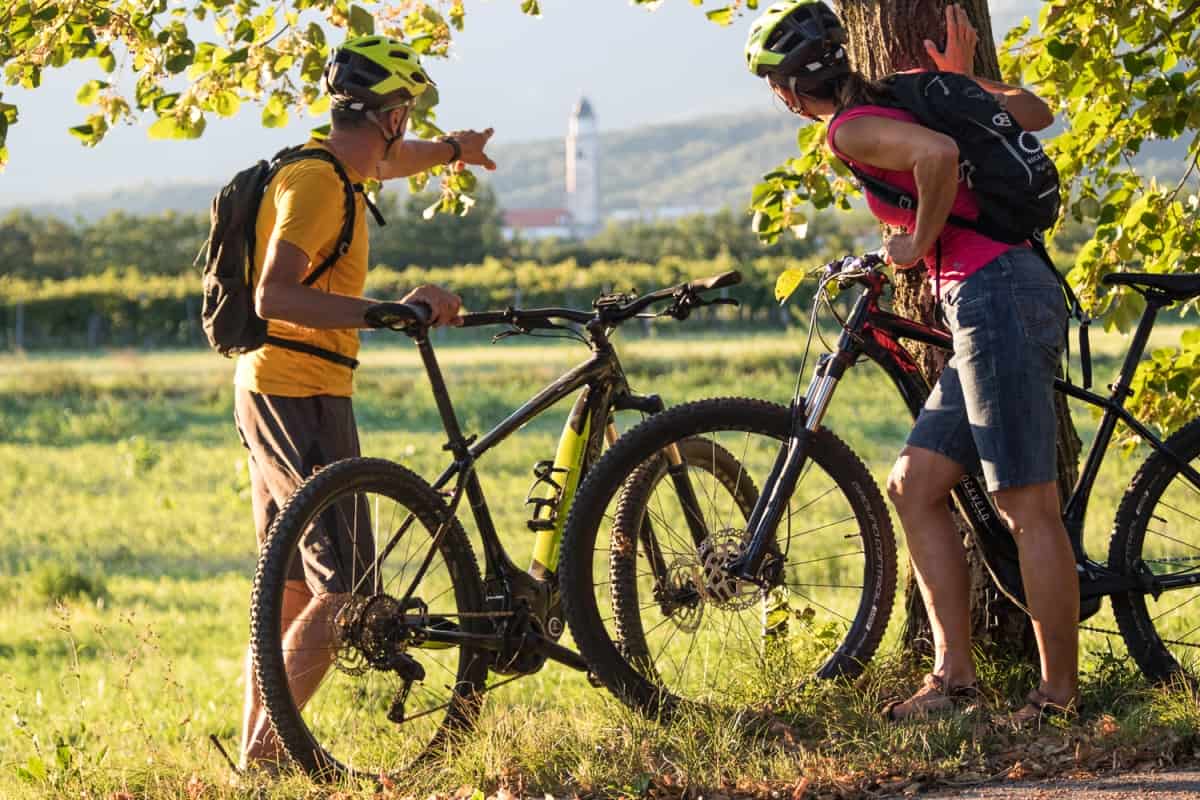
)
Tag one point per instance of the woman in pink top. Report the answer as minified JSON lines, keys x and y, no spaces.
{"x":993,"y":408}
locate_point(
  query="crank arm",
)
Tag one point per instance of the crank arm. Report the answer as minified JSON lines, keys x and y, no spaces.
{"x":495,"y":643}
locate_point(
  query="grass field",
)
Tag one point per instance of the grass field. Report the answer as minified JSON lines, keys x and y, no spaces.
{"x":128,"y":548}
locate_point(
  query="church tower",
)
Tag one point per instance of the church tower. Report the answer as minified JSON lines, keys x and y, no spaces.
{"x":583,"y":175}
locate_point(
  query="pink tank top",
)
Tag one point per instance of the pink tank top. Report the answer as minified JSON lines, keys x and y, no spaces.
{"x":964,"y":251}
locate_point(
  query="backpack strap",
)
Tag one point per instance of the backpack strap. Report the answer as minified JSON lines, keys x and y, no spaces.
{"x":313,"y":350}
{"x":1037,"y":240}
{"x":291,"y":155}
{"x":346,"y":236}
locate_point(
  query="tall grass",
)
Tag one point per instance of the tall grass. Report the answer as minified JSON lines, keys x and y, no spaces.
{"x":128,"y":549}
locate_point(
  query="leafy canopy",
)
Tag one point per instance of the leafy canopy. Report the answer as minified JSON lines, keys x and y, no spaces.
{"x":177,"y":63}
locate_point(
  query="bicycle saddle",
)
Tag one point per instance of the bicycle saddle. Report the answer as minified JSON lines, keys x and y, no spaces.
{"x":1177,"y":287}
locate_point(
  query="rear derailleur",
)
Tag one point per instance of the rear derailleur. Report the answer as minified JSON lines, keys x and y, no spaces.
{"x":381,"y":630}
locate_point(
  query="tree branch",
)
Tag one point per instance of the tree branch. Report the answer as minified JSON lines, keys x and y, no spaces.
{"x":1183,"y":181}
{"x":1171,"y":26}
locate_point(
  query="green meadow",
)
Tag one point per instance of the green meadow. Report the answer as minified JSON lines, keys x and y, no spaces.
{"x":127,"y":554}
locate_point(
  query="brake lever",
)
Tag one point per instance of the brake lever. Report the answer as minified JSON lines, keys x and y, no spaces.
{"x":505,"y":334}
{"x":527,"y":329}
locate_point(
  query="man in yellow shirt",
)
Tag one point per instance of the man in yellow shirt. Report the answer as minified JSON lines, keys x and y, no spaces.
{"x":293,"y":408}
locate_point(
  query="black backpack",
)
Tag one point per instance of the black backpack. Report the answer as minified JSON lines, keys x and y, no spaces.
{"x":228,"y":316}
{"x":1014,"y":182}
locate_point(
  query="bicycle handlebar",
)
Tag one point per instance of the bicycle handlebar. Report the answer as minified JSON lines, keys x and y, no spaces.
{"x":607,"y":311}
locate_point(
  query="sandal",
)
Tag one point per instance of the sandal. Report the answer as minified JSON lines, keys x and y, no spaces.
{"x":1037,"y":708}
{"x":934,"y":697}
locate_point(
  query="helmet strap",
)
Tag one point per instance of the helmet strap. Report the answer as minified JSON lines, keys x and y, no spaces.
{"x":388,"y":139}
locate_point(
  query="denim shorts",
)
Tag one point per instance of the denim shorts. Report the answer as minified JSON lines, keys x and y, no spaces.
{"x":993,"y":407}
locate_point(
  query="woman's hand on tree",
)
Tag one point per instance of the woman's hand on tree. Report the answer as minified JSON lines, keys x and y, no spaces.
{"x":961,"y":38}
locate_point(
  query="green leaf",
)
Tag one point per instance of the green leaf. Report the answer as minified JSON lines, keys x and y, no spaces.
{"x":108,"y":62}
{"x":36,"y":768}
{"x":90,"y":92}
{"x":1060,"y":49}
{"x":244,"y":32}
{"x":319,"y":106}
{"x":531,"y":7}
{"x":721,"y":16}
{"x":166,"y":128}
{"x":237,"y":56}
{"x":787,"y":283}
{"x":180,"y":61}
{"x":275,"y":114}
{"x":226,"y":103}
{"x":362,"y":22}
{"x":165,"y":102}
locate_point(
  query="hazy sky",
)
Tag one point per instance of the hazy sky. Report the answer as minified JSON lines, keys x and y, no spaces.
{"x":517,"y":74}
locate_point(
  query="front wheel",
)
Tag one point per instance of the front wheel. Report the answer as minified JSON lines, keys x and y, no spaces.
{"x":645,"y":591}
{"x":1156,"y":537}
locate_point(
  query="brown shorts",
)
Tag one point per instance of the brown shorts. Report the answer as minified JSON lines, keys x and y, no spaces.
{"x":289,"y":438}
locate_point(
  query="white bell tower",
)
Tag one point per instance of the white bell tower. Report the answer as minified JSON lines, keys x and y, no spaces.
{"x":583,"y":176}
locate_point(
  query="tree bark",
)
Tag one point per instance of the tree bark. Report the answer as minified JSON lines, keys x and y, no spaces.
{"x":888,"y":36}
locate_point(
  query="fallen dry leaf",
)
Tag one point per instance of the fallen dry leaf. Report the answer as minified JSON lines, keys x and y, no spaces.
{"x":195,"y":788}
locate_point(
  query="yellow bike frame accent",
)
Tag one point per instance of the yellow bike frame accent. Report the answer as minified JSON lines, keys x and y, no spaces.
{"x":568,"y":462}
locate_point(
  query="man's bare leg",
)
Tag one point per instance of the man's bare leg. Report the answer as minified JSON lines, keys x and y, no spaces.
{"x":308,"y":654}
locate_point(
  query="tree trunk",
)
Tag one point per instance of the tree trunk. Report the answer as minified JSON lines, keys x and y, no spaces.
{"x":888,"y":36}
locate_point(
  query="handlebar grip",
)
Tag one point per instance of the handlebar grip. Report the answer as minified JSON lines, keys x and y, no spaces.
{"x":731,"y":278}
{"x":476,"y":319}
{"x":397,"y":316}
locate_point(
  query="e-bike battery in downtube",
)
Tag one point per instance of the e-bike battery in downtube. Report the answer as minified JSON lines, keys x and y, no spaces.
{"x":807,"y":413}
{"x":567,"y":469}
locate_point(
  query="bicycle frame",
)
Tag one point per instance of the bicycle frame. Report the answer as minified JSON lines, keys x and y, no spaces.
{"x":875,"y":333}
{"x":507,"y":587}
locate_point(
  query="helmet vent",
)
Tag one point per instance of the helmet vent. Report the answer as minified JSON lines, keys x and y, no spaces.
{"x":368,"y":43}
{"x":398,"y":54}
{"x":418,"y":77}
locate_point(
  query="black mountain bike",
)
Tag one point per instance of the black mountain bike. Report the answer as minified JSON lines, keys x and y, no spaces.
{"x":803,"y":583}
{"x":399,"y":662}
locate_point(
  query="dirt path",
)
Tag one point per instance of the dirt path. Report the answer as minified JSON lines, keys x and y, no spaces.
{"x":1179,"y":785}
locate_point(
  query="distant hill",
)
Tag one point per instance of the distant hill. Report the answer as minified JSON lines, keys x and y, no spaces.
{"x":707,"y":162}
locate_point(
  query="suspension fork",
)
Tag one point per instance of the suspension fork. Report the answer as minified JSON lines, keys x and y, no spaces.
{"x":808,"y":410}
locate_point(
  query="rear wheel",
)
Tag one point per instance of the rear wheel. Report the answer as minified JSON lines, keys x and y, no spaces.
{"x":385,"y":694}
{"x":654,"y":611}
{"x":1156,"y":535}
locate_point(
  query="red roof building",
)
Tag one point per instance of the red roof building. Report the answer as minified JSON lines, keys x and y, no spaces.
{"x":537,"y":223}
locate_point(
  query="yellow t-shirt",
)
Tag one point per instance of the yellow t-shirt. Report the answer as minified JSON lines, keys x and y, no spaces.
{"x":304,"y":205}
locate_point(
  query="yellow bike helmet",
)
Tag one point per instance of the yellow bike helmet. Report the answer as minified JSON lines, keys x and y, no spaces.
{"x":375,"y":73}
{"x":801,"y":40}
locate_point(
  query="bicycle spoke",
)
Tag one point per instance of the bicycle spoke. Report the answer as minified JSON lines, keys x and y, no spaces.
{"x":1173,"y":539}
{"x":825,"y":558}
{"x":826,"y":608}
{"x":1181,"y":605}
